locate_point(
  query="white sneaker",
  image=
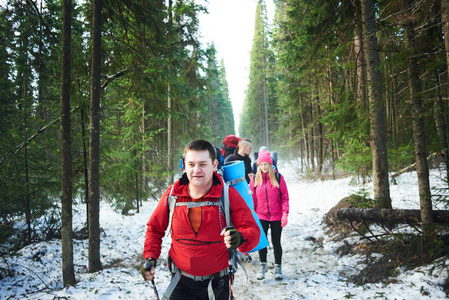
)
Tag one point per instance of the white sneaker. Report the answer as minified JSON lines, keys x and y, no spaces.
{"x":264,"y":268}
{"x":278,"y":272}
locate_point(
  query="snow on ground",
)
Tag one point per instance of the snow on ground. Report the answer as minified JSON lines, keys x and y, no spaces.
{"x":312,"y":269}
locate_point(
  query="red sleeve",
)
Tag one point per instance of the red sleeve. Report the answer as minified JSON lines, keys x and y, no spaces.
{"x":156,"y":227}
{"x":243,"y":221}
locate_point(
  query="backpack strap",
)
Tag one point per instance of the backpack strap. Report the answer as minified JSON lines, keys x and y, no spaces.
{"x":226,"y":204}
{"x":278,"y":178}
{"x":198,"y":204}
{"x":171,"y":207}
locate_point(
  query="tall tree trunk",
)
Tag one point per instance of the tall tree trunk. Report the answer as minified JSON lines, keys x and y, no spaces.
{"x":265,"y":102}
{"x":27,"y":177}
{"x":68,"y":273}
{"x":25,"y":123}
{"x":320,"y":143}
{"x":445,"y":18}
{"x":94,"y":145}
{"x":440,"y":123}
{"x":170,"y":137}
{"x":418,"y":130}
{"x":170,"y":107}
{"x":358,"y":47}
{"x":311,"y":128}
{"x":85,"y":165}
{"x":304,"y":150}
{"x":377,"y":133}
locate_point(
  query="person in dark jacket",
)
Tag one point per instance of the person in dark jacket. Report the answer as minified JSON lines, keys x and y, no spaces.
{"x":270,"y":199}
{"x":200,"y":241}
{"x":244,"y":148}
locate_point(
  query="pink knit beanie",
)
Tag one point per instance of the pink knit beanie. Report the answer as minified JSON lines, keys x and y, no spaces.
{"x":264,"y":156}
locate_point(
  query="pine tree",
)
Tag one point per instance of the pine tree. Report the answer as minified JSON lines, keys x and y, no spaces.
{"x":254,"y":121}
{"x":68,"y":272}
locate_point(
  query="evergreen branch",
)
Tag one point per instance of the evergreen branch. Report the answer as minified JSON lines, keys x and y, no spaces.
{"x":38,"y":132}
{"x":109,"y":79}
{"x":33,"y":4}
{"x":19,"y":147}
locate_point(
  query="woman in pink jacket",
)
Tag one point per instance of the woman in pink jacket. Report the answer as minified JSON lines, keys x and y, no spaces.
{"x":270,"y":196}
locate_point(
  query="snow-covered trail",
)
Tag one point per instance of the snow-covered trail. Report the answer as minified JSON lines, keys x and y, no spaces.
{"x":311,"y":268}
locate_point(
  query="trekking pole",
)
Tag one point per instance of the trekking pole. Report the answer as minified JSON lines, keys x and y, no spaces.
{"x":155,"y":289}
{"x":147,"y":266}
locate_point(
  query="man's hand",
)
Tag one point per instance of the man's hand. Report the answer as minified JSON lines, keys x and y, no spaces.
{"x":232,"y":237}
{"x":148,"y":269}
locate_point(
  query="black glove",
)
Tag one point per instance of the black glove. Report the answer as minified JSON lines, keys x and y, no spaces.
{"x":146,"y":266}
{"x":236,"y":237}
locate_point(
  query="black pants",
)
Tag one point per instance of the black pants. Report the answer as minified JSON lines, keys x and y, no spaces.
{"x":276,"y":231}
{"x":189,"y":289}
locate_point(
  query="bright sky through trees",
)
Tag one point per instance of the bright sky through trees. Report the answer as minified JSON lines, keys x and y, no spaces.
{"x":230,"y":26}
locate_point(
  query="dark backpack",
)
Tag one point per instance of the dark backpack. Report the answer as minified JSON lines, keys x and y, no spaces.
{"x":229,"y":145}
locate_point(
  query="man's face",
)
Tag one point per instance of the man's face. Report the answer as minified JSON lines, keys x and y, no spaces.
{"x":200,"y":168}
{"x":247,"y":148}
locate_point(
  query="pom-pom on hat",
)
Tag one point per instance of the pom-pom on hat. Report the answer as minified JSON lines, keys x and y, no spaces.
{"x":264,"y":156}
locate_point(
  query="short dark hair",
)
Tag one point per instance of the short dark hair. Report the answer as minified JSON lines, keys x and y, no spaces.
{"x":200,"y":145}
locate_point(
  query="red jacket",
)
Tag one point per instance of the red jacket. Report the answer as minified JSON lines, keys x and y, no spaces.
{"x":269,"y":201}
{"x":202,"y":253}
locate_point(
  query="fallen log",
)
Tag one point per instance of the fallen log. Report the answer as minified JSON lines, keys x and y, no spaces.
{"x":390,"y":215}
{"x":413,"y":166}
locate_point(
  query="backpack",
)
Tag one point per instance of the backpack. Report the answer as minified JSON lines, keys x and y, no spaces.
{"x":224,"y":203}
{"x":229,"y":145}
{"x":225,"y":207}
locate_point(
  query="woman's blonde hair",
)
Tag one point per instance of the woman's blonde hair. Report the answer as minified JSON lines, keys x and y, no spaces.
{"x":271,"y":175}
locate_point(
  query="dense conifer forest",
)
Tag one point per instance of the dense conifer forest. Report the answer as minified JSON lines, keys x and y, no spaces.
{"x":98,"y":99}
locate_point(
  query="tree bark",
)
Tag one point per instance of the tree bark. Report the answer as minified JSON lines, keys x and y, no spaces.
{"x":440,"y":123}
{"x":68,"y":273}
{"x":377,"y":132}
{"x":94,"y":145}
{"x":358,"y":48}
{"x":419,"y":136}
{"x":170,"y":137}
{"x":390,"y":215}
{"x":445,"y":18}
{"x":170,"y":107}
{"x":85,"y":165}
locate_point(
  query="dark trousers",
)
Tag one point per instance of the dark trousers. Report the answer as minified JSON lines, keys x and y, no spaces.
{"x":276,"y":231}
{"x":189,"y":289}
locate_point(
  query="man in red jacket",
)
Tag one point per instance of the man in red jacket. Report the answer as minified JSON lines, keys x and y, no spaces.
{"x":198,"y":256}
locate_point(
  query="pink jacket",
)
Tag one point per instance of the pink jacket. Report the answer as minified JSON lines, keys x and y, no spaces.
{"x":269,"y":204}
